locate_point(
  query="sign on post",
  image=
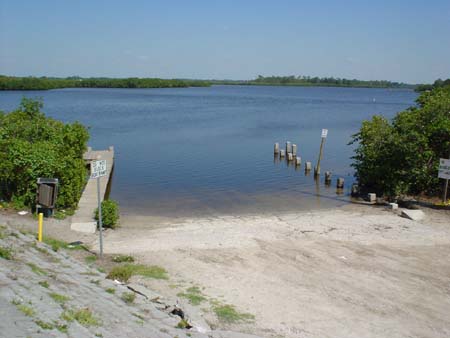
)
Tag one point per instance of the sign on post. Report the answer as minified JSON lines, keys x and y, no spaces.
{"x":324,"y":133}
{"x":444,"y":169}
{"x":98,"y":169}
{"x":444,"y":172}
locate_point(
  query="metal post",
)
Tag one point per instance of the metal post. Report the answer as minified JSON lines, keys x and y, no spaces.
{"x":317,"y":169}
{"x":445,"y":191}
{"x":100,"y":225}
{"x":40,"y":225}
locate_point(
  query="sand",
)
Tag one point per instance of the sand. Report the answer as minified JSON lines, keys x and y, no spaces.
{"x":355,"y":271}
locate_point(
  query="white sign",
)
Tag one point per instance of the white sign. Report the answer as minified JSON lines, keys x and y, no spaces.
{"x":324,"y":133}
{"x":98,"y":168}
{"x":444,"y":169}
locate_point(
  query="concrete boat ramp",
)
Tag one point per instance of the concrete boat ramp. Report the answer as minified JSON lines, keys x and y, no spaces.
{"x":83,"y":219}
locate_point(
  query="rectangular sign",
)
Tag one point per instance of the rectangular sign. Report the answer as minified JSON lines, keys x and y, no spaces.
{"x":324,"y":133}
{"x":444,"y":169}
{"x":98,"y":168}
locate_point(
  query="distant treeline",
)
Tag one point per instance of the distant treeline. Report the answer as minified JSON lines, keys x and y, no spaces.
{"x":315,"y":81}
{"x":437,"y":84}
{"x":44,"y":83}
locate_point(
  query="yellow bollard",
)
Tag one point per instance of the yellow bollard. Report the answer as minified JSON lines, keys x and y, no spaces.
{"x":40,"y":221}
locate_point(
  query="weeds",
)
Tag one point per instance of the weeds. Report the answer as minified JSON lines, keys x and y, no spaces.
{"x":123,"y":259}
{"x":111,"y":290}
{"x":45,"y":325}
{"x":124,"y":272}
{"x":90,"y":259}
{"x":6,"y":253}
{"x":60,"y":299}
{"x":228,"y":314}
{"x":193,"y":294}
{"x":44,"y":284}
{"x":128,"y":297}
{"x":25,"y":309}
{"x":82,"y":316}
{"x":37,"y":270}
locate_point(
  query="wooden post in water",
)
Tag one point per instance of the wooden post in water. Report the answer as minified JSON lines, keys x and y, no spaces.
{"x":298,"y":161}
{"x":340,"y":183}
{"x":294,"y":150}
{"x":288,"y":147}
{"x":290,"y":157}
{"x":276,"y":148}
{"x":307,"y":166}
{"x":281,"y":153}
{"x":324,"y":136}
{"x":327,"y":177}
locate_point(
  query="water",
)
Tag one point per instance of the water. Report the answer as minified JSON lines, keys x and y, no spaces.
{"x":203,"y":151}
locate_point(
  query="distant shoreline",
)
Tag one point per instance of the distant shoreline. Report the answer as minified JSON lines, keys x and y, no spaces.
{"x":47,"y":83}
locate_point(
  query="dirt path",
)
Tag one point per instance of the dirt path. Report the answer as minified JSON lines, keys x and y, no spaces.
{"x":351,"y":272}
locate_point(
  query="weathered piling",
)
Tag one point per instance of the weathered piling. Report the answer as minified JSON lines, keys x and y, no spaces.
{"x":372,"y":197}
{"x":290,"y":157}
{"x":308,"y":166}
{"x":294,"y":150}
{"x":355,"y":190}
{"x":288,"y":147}
{"x":340,"y":183}
{"x":327,"y":177}
{"x":276,"y":148}
{"x":282,"y":153}
{"x":298,"y":161}
{"x":316,"y":171}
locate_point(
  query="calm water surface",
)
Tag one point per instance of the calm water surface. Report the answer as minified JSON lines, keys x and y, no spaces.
{"x":203,"y":151}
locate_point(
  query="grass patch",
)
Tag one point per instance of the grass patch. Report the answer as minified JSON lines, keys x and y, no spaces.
{"x":128,"y":297}
{"x":123,"y":259}
{"x":228,"y":314}
{"x":183,"y":324}
{"x":111,"y":290}
{"x":26,"y":310}
{"x":57,"y":244}
{"x":95,"y":281}
{"x":124,"y":272}
{"x":90,"y":259}
{"x":44,"y":325}
{"x":194,"y":295}
{"x":6,"y":253}
{"x":37,"y":270}
{"x":83,"y":316}
{"x":60,"y":299}
{"x":62,"y":327}
{"x":44,"y":284}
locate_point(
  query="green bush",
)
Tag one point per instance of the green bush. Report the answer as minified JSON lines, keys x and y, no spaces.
{"x":402,"y":157}
{"x":110,"y":214}
{"x":33,"y":145}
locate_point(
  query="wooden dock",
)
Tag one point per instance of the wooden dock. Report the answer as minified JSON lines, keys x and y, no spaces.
{"x":83,"y":220}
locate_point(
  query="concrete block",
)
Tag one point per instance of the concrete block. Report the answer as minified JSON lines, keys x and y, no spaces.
{"x":372,"y":197}
{"x":86,"y":227}
{"x":393,"y":206}
{"x":415,"y":215}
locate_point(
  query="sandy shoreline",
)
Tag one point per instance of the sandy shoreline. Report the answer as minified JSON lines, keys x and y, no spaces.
{"x":355,"y":271}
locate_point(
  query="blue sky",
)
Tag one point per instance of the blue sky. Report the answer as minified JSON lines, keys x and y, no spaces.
{"x":395,"y":40}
